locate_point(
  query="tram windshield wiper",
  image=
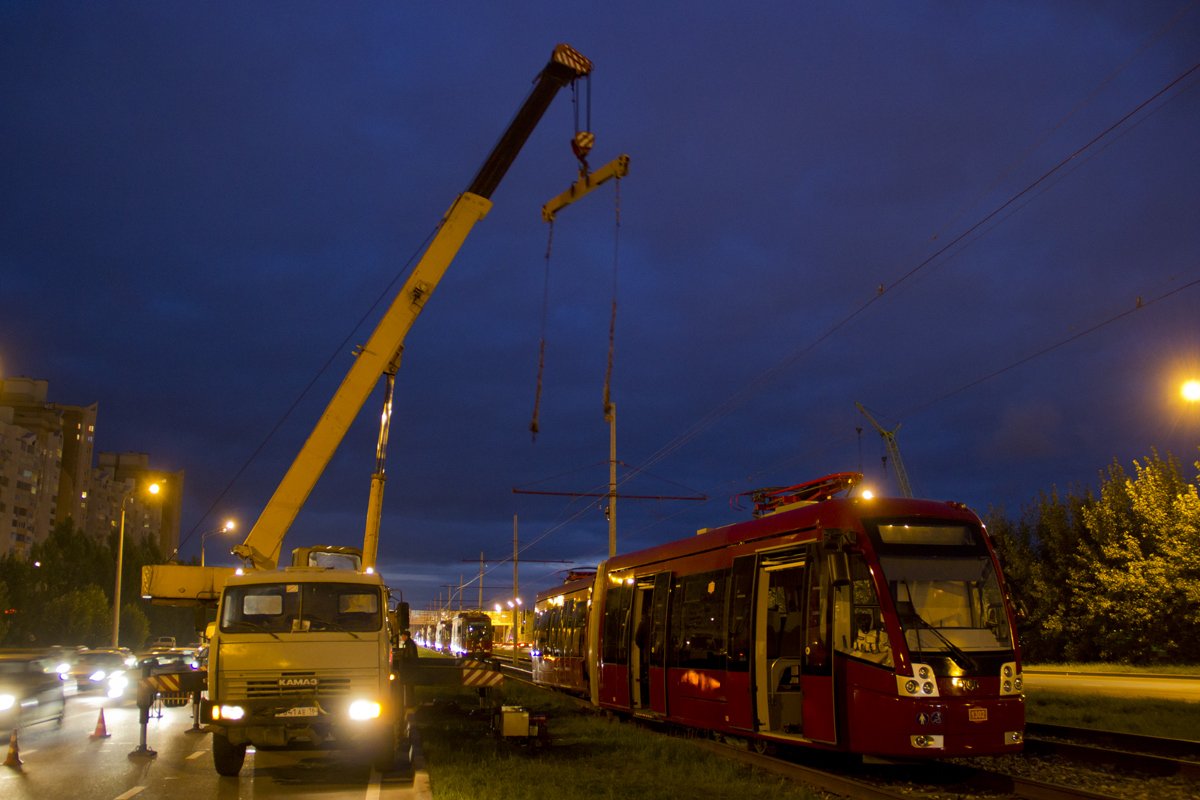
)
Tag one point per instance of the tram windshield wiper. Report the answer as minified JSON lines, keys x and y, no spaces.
{"x":956,"y":653}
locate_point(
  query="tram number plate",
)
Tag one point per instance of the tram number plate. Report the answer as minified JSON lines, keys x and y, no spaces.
{"x":977,"y":714}
{"x":310,"y":711}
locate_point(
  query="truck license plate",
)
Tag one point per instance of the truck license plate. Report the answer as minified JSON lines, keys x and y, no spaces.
{"x":299,"y":711}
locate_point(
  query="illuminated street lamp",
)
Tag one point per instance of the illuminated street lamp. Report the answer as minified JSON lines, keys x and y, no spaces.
{"x":1191,"y":391}
{"x":154,"y":489}
{"x":226,"y":528}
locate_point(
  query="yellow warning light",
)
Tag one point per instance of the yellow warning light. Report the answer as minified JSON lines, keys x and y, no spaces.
{"x":1191,"y":391}
{"x":867,"y":494}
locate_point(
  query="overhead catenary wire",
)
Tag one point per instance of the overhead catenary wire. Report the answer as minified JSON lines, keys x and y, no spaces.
{"x":387,"y":292}
{"x":755,"y":385}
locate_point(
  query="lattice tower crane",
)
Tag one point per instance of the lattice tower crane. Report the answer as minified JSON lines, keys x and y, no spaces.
{"x":894,"y":450}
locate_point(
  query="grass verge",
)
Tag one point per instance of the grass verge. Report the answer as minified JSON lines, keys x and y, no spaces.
{"x":1096,"y":666}
{"x":1166,"y":718}
{"x":590,"y":757}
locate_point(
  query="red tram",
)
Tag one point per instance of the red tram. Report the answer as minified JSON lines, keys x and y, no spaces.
{"x":875,"y":626}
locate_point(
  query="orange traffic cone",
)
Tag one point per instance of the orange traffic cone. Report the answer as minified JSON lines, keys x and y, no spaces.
{"x":101,"y":731}
{"x":14,"y":752}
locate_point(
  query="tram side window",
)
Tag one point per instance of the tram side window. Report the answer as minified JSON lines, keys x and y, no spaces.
{"x":616,"y":625}
{"x":553,"y":624}
{"x":740,"y":607}
{"x":675,"y":628}
{"x":868,"y":634}
{"x":580,"y":627}
{"x":568,"y":645}
{"x":702,"y":625}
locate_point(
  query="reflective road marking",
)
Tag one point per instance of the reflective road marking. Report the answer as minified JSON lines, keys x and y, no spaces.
{"x":373,"y":788}
{"x":197,"y":754}
{"x":130,"y":793}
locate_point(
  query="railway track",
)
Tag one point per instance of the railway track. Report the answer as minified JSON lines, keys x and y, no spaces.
{"x":1128,"y":755}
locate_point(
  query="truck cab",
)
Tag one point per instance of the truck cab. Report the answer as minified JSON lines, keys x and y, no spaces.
{"x":301,"y":657}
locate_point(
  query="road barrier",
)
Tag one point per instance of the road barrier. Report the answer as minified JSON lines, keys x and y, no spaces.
{"x":14,"y":752}
{"x":149,"y":687}
{"x":101,"y":731}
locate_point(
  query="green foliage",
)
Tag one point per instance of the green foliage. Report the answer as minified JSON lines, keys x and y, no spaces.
{"x":81,"y":616}
{"x":62,"y":593}
{"x":4,"y":609}
{"x":135,"y":628}
{"x":1113,"y":577}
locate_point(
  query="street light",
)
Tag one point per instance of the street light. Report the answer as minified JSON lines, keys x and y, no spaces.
{"x":153,"y":489}
{"x":226,"y":528}
{"x":1191,"y":391}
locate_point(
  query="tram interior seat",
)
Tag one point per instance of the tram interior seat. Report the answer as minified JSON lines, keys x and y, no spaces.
{"x":786,"y":700}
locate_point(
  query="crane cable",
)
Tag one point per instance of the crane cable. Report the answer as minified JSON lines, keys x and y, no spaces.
{"x":612,"y":323}
{"x":537,"y":401}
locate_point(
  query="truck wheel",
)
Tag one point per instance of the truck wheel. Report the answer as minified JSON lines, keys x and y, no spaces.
{"x":227,"y":758}
{"x":385,"y":755}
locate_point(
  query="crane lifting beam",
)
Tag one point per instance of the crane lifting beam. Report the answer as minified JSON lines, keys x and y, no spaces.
{"x":889,"y":437}
{"x":263,"y":544}
{"x":617,"y":168}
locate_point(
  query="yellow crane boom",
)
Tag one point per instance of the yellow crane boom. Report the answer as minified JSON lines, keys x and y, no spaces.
{"x":181,"y":585}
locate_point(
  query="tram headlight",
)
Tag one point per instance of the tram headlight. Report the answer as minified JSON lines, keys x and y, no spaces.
{"x":923,"y":673}
{"x":911,"y":687}
{"x":1011,"y":681}
{"x":927,"y":687}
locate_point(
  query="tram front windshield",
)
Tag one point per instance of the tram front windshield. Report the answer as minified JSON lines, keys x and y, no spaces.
{"x":942,"y":581}
{"x":479,"y":631}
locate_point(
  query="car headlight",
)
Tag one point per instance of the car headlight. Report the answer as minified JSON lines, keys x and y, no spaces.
{"x":6,"y":701}
{"x":63,"y":668}
{"x":364,"y":709}
{"x":97,"y":676}
{"x":131,"y":661}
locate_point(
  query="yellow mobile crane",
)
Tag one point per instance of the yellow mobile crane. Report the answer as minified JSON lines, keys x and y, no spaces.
{"x":304,"y":653}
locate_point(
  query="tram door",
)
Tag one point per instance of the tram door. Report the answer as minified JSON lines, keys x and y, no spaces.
{"x":819,"y":707}
{"x":779,"y":644}
{"x":657,"y":671}
{"x":642,"y":617}
{"x":647,"y":655}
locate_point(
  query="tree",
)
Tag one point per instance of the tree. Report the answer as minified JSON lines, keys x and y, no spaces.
{"x":1111,"y":576}
{"x":4,"y":610}
{"x":135,"y":628}
{"x":80,"y":617}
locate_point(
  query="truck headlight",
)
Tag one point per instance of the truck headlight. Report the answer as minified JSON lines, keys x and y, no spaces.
{"x":228,"y":712}
{"x":364,"y":709}
{"x":6,"y":701}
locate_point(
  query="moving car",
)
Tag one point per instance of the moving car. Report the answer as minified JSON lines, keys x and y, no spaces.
{"x":101,"y":670}
{"x":31,"y":690}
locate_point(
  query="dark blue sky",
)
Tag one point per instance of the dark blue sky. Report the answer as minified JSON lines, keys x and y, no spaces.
{"x":198,"y":204}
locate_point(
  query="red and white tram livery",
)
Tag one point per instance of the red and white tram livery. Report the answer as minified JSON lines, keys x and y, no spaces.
{"x":876,"y":626}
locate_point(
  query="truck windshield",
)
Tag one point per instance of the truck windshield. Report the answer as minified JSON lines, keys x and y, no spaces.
{"x":958,"y":596}
{"x":300,"y":608}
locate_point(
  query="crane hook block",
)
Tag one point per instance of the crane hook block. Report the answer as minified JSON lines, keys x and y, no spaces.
{"x":582,"y":144}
